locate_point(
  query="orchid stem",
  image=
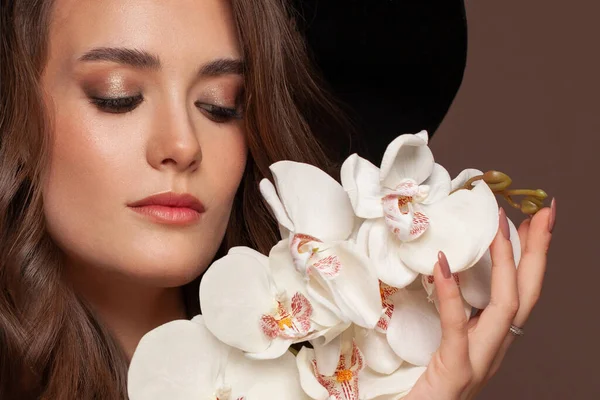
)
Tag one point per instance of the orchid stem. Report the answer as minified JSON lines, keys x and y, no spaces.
{"x":521,"y":192}
{"x":510,"y":201}
{"x":499,"y":183}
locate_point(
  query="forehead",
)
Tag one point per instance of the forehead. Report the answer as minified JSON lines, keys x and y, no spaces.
{"x":181,"y":30}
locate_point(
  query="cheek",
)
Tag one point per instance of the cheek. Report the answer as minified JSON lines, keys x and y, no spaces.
{"x":84,"y":184}
{"x":224,"y":161}
{"x":76,"y":173}
{"x":91,"y":156}
{"x":223,"y":165}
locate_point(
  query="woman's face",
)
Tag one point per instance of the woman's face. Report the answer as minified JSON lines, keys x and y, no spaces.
{"x":145,"y":96}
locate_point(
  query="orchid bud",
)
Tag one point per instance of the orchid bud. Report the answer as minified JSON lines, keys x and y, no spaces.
{"x":497,"y":181}
{"x":540,"y":194}
{"x":529,"y":207}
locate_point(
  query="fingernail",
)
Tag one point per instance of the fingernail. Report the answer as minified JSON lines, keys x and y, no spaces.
{"x":443,"y":261}
{"x":504,"y":224}
{"x":552,"y":219}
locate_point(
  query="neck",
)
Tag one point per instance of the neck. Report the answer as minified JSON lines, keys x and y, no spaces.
{"x":127,"y":309}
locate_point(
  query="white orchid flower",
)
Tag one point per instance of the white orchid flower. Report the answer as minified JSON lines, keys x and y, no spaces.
{"x":259,"y":304}
{"x":315,"y":215}
{"x":411,"y":215}
{"x":182,"y":360}
{"x":475,"y":282}
{"x":414,"y":331}
{"x":352,"y":379}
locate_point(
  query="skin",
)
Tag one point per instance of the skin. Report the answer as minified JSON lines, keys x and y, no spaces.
{"x":129,"y":267}
{"x":126,"y":265}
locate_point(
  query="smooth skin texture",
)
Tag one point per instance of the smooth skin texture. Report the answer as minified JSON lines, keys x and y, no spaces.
{"x":472,"y":350}
{"x":134,"y":122}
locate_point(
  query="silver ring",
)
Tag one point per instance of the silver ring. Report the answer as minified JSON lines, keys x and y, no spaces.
{"x":515,"y":330}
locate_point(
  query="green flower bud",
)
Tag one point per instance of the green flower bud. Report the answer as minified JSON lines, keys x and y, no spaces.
{"x":529,"y":207}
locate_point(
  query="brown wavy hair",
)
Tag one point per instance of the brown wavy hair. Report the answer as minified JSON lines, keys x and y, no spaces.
{"x":52,"y":345}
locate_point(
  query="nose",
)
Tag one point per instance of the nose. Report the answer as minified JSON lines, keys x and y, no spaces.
{"x":174,"y":143}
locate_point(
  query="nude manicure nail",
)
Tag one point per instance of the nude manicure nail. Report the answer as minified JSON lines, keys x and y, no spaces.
{"x":443,"y":261}
{"x":552,"y":219}
{"x":503,"y":223}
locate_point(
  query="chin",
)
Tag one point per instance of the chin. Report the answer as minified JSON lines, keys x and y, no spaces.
{"x":162,"y":258}
{"x":151,"y":266}
{"x":166,"y":269}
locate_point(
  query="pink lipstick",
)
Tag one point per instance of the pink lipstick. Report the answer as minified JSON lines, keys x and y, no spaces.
{"x":170,"y":208}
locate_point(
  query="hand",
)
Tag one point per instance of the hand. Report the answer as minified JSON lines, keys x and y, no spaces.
{"x":472,"y":350}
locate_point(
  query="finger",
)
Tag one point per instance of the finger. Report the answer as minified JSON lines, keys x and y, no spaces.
{"x":530,"y":273}
{"x":495,"y":320}
{"x":523,"y":232}
{"x":454,"y":348}
{"x":532,"y":266}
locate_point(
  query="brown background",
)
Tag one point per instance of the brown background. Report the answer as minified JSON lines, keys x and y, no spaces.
{"x":529,"y":106}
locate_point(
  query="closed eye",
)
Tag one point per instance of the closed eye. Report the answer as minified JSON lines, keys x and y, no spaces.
{"x":218,"y":114}
{"x":117,"y":105}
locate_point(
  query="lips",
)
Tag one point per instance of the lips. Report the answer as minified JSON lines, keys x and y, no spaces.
{"x":170,"y":208}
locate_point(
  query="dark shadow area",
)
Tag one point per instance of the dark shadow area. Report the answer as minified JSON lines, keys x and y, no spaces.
{"x":397,"y":64}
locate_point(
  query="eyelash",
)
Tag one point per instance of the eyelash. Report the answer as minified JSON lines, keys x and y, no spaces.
{"x":118,"y":105}
{"x":218,"y":114}
{"x":123,"y":105}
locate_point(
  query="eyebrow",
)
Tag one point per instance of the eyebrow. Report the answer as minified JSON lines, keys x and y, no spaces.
{"x":222,"y":66}
{"x":132,"y":57}
{"x":144,"y":60}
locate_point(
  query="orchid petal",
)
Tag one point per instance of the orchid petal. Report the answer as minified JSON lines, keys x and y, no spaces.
{"x":407,"y":156}
{"x":308,"y":380}
{"x":476,"y":282}
{"x":429,"y":285}
{"x":180,"y":359}
{"x":400,"y":381}
{"x":269,"y":193}
{"x":328,"y":355}
{"x":235,"y":293}
{"x":515,"y":241}
{"x":288,"y":278}
{"x":439,"y":184}
{"x":463,"y":177}
{"x":325,"y":336}
{"x":385,"y":257}
{"x":378,"y":354}
{"x":264,"y":380}
{"x":321,"y":294}
{"x":277,"y":348}
{"x":355,"y":290}
{"x":360,"y":180}
{"x":415,"y":331}
{"x":362,"y":235}
{"x":462,"y":225}
{"x":248,"y":252}
{"x":315,"y":202}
